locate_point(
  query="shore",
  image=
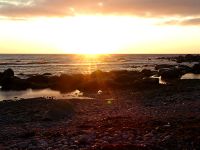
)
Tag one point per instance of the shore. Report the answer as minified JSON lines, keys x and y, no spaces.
{"x":163,"y":117}
{"x":125,"y":110}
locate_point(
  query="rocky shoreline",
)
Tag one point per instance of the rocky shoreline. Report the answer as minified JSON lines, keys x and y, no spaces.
{"x":116,"y":79}
{"x":166,"y":117}
{"x":128,"y":110}
{"x":185,"y":58}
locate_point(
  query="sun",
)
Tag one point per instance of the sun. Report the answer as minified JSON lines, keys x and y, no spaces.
{"x":92,"y":35}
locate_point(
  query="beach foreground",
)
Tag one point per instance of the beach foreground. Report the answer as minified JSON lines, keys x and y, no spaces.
{"x":165,"y":117}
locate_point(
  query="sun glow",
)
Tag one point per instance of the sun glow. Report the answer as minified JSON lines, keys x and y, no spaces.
{"x":94,"y":35}
{"x":79,"y":34}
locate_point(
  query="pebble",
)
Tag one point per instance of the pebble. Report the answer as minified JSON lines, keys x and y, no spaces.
{"x":125,"y":136}
{"x":166,"y":137}
{"x":73,"y":147}
{"x":43,"y":143}
{"x":148,"y":136}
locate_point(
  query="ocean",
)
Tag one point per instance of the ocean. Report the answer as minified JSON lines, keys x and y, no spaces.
{"x":25,"y":65}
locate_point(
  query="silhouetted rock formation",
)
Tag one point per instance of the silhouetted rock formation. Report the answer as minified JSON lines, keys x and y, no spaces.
{"x":7,"y":79}
{"x":186,"y":58}
{"x":167,"y":71}
{"x":196,"y":68}
{"x":94,"y":81}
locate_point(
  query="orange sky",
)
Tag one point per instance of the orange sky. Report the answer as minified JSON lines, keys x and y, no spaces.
{"x":107,"y":26}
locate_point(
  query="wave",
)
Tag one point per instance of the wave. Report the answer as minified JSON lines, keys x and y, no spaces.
{"x":28,"y":63}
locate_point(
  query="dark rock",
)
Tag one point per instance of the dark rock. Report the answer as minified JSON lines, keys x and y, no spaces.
{"x":196,"y":69}
{"x":162,"y":66}
{"x":8,"y":73}
{"x":146,"y":83}
{"x":97,"y":80}
{"x":147,"y":72}
{"x":27,"y":134}
{"x":181,"y":58}
{"x":170,"y":73}
{"x":184,"y":69}
{"x":7,"y":79}
{"x":47,"y":74}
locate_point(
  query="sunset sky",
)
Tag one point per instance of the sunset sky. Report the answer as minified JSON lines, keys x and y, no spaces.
{"x":99,"y":26}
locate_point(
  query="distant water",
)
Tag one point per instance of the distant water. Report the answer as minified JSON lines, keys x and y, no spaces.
{"x":70,"y":64}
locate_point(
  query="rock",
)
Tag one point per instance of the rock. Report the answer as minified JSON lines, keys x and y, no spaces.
{"x":162,"y":66}
{"x":181,"y":58}
{"x":65,"y":147}
{"x":43,"y":143}
{"x":134,"y":66}
{"x":196,"y":68}
{"x":125,"y":136}
{"x":31,"y":147}
{"x":147,"y":73}
{"x":73,"y":147}
{"x":9,"y":73}
{"x":7,"y":79}
{"x":99,"y":92}
{"x":47,"y":74}
{"x":22,"y":145}
{"x":84,"y":139}
{"x":168,"y":74}
{"x":148,"y":136}
{"x":147,"y":82}
{"x":184,"y":69}
{"x":166,"y":138}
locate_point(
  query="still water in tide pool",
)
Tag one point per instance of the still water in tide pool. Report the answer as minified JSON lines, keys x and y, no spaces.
{"x":46,"y":93}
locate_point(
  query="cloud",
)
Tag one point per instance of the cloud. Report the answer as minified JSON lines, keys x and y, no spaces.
{"x":181,"y":21}
{"x":194,"y":21}
{"x":49,"y":8}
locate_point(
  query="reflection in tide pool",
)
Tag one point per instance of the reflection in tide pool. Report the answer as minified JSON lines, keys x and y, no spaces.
{"x":191,"y":76}
{"x":46,"y":93}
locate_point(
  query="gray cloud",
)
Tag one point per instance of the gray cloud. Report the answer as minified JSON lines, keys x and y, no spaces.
{"x":188,"y":22}
{"x":152,"y":8}
{"x":194,"y":21}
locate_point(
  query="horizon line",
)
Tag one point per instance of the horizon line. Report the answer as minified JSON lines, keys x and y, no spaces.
{"x":99,"y":54}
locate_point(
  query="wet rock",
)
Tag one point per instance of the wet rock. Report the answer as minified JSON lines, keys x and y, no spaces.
{"x":162,"y":66}
{"x":147,"y":72}
{"x":47,"y":74}
{"x":196,"y":68}
{"x":9,"y":73}
{"x":170,"y":73}
{"x":184,"y":69}
{"x":7,"y":79}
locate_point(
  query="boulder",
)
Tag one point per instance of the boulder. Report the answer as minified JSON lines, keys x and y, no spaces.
{"x":184,"y":69}
{"x":168,"y":74}
{"x":9,"y":73}
{"x":7,"y":78}
{"x":147,"y":72}
{"x":196,"y":68}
